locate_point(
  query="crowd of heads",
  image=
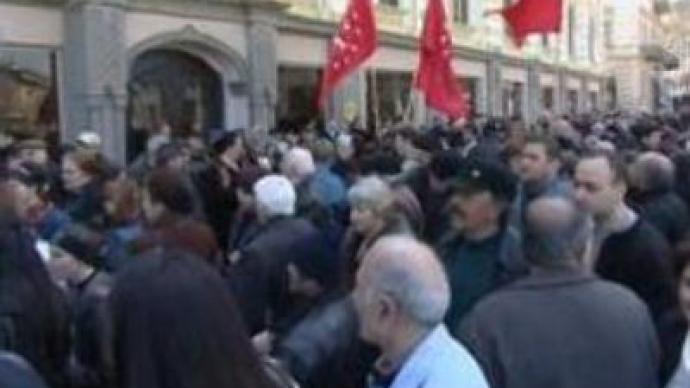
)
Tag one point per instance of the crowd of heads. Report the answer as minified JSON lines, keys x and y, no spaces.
{"x":379,"y":203}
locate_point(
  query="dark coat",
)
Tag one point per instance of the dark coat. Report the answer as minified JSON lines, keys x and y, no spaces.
{"x":33,"y":312}
{"x":640,"y":259}
{"x":673,"y":329}
{"x":17,"y":373}
{"x":323,"y":350}
{"x":93,"y":354}
{"x":258,"y":279}
{"x":219,"y":201}
{"x":434,"y":205}
{"x":86,"y":207}
{"x":563,"y":329}
{"x":666,"y":211}
{"x":476,"y":268}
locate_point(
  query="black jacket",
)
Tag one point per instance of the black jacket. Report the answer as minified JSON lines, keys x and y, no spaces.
{"x":666,"y":211}
{"x":219,"y":202}
{"x":640,"y":259}
{"x":258,"y":279}
{"x":33,"y":312}
{"x":323,"y":350}
{"x":15,"y":372}
{"x":92,"y":363}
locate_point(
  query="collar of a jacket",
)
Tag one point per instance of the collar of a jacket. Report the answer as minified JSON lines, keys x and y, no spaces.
{"x":553,"y":278}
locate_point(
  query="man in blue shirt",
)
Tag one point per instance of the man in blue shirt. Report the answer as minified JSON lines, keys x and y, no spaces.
{"x":401,"y":297}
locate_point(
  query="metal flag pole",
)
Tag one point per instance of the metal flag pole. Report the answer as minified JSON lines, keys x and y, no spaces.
{"x":409,"y":109}
{"x":375,"y":97}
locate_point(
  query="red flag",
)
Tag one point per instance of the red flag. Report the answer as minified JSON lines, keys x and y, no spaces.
{"x":435,"y":77}
{"x":355,"y":42}
{"x":533,"y":16}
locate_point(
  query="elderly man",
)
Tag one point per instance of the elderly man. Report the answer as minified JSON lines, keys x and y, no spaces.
{"x":562,"y":326}
{"x":401,"y":297}
{"x":627,"y":249}
{"x":312,"y":179}
{"x":259,"y":275}
{"x":652,"y":177}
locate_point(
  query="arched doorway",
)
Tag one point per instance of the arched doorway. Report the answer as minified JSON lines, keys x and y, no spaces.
{"x":173,"y":89}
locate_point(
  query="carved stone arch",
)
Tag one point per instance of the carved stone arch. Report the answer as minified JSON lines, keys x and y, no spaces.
{"x":228,"y":63}
{"x":191,"y":40}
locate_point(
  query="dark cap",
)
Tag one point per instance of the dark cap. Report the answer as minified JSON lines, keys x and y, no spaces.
{"x":477,"y":176}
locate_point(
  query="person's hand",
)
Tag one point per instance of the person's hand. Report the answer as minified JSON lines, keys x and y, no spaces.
{"x":65,"y":269}
{"x":234,"y":257}
{"x":263,"y":342}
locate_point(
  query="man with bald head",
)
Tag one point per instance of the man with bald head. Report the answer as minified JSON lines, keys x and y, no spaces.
{"x":401,"y":297}
{"x":652,"y":178}
{"x":562,"y":326}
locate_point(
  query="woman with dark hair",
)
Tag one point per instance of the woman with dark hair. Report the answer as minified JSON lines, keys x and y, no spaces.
{"x":673,"y":329}
{"x":176,"y":325}
{"x":217,"y":184}
{"x":33,"y":314}
{"x":82,"y":173}
{"x":244,"y":224}
{"x":168,"y":205}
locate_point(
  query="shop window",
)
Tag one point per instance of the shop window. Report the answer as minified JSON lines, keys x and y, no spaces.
{"x":29,"y":103}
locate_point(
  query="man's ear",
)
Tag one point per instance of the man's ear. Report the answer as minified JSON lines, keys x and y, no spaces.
{"x":386,"y":306}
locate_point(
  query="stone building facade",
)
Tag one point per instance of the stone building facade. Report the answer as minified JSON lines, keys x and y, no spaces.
{"x":121,"y":67}
{"x":638,"y":53}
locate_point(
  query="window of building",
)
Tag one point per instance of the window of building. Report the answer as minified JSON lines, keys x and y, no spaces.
{"x":390,"y":3}
{"x":461,"y":11}
{"x":548,"y":97}
{"x":296,"y":90}
{"x":388,"y":94}
{"x":593,"y":101}
{"x":29,"y":103}
{"x":572,"y":101}
{"x":471,"y":87}
{"x":513,"y":99}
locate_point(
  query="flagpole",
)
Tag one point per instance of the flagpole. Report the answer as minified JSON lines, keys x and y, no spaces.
{"x":410,"y":100}
{"x":375,"y":97}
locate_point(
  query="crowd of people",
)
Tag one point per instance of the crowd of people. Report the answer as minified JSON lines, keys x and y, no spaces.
{"x":476,"y":255}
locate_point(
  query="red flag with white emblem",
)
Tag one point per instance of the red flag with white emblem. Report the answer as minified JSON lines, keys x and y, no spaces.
{"x":435,"y":77}
{"x":354,"y":43}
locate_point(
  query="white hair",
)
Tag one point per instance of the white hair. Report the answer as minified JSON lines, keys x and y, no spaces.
{"x":275,"y":196}
{"x":298,"y":164}
{"x":371,"y":192}
{"x":344,"y":146}
{"x":425,"y":298}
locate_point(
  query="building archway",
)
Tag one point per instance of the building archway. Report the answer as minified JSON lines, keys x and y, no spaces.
{"x":185,"y":81}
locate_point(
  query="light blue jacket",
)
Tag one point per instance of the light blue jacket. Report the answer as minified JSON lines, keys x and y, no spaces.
{"x":440,"y":362}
